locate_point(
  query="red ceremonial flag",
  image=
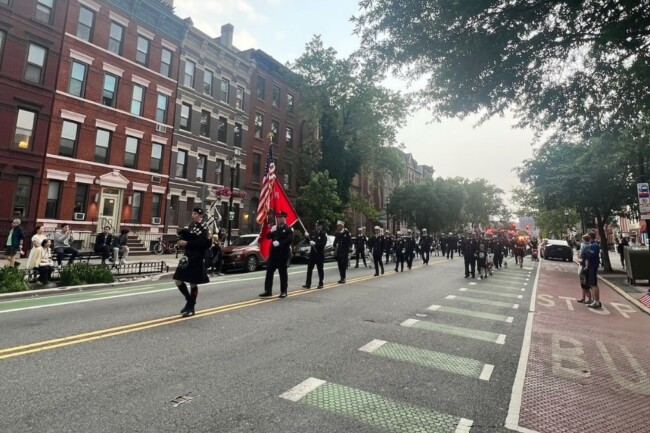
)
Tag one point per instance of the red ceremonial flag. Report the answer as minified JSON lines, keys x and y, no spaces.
{"x":272,"y":197}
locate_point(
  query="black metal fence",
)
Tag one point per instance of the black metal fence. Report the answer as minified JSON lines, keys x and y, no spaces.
{"x":125,"y":270}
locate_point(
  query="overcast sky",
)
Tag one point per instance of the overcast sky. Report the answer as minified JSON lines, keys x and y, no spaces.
{"x":283,"y":27}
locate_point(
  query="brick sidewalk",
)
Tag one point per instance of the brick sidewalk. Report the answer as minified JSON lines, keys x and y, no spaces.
{"x":587,"y":370}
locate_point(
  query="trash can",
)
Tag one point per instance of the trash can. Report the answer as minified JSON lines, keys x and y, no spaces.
{"x":637,"y":261}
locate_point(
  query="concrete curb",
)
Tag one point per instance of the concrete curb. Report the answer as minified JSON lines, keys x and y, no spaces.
{"x":624,"y":294}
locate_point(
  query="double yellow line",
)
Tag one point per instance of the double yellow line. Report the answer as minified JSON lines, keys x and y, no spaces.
{"x":56,"y":343}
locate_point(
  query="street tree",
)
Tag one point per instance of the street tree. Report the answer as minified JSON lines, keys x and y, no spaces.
{"x":482,"y":200}
{"x":559,"y":64}
{"x":318,"y":199}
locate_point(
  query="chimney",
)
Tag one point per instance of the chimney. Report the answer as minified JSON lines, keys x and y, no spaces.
{"x":227,"y":31}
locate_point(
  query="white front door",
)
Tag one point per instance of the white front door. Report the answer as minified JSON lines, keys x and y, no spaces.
{"x":109,"y":209}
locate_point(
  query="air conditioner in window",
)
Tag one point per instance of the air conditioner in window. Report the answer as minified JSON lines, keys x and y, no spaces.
{"x":161,"y":128}
{"x":79,"y":216}
{"x":155,"y":220}
{"x":155,"y":179}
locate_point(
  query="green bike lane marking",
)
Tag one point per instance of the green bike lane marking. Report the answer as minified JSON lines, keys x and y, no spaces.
{"x":373,"y":409}
{"x":47,"y":300}
{"x":482,"y":301}
{"x":428,"y":358}
{"x":491,"y":293}
{"x":471,"y":313}
{"x":443,"y":328}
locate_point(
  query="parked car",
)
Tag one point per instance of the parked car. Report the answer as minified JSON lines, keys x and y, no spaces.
{"x":301,"y":250}
{"x":244,"y":253}
{"x":556,"y":249}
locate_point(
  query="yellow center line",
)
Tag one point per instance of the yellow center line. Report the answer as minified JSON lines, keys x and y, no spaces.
{"x":140,"y":326}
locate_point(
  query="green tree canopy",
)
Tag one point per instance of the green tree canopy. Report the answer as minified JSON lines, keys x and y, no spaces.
{"x":319,"y":199}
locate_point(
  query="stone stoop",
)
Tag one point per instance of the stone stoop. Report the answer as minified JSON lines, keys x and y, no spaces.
{"x":136,"y":246}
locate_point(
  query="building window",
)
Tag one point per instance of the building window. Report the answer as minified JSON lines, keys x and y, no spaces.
{"x":261,"y":87}
{"x":85,"y":24}
{"x":222,"y":133}
{"x":205,"y":123}
{"x":207,"y":82}
{"x":161,"y":108}
{"x":53,"y":199}
{"x":24,"y":134}
{"x":181,"y":164}
{"x":188,"y":78}
{"x":259,"y":123}
{"x":156,"y":205}
{"x":3,"y":35}
{"x":166,"y":62}
{"x":137,"y":100}
{"x":257,"y":167}
{"x":276,"y":97}
{"x":69,"y":136}
{"x":288,"y":176}
{"x":109,"y":94}
{"x":225,"y":90}
{"x":35,"y":63}
{"x":22,"y":196}
{"x":239,"y":131}
{"x":219,"y":171}
{"x":102,"y":146}
{"x":115,"y":38}
{"x":136,"y":207}
{"x":77,"y":84}
{"x":131,"y":152}
{"x":43,"y":11}
{"x":202,"y":162}
{"x":239,"y":103}
{"x":186,"y":116}
{"x":289,"y":102}
{"x":275,"y":128}
{"x":142,"y":53}
{"x":156,"y":158}
{"x":81,"y":197}
{"x":289,"y":137}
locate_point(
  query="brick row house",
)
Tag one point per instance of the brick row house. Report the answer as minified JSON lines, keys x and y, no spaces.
{"x":110,"y":139}
{"x":31,"y":33}
{"x":212,"y":122}
{"x":273,"y":110}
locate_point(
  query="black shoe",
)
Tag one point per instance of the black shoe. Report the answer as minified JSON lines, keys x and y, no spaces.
{"x":320,"y":286}
{"x":356,"y":266}
{"x":466,"y":276}
{"x":341,"y":281}
{"x":282,"y":295}
{"x":306,"y":286}
{"x":189,"y":312}
{"x":376,"y":274}
{"x":187,"y":307}
{"x":265,"y":295}
{"x":382,"y":272}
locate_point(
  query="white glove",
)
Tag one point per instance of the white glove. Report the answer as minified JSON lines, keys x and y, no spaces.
{"x":276,"y":243}
{"x":273,"y":228}
{"x":312,"y":243}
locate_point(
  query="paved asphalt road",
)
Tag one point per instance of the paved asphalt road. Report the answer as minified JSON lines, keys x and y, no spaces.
{"x":440,"y":358}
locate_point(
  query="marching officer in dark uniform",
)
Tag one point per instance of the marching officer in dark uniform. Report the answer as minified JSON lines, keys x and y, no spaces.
{"x":317,"y":240}
{"x":342,"y":245}
{"x":470,"y":253}
{"x":425,"y":246}
{"x":360,"y":247}
{"x":399,"y":246}
{"x":388,"y":246}
{"x":451,"y":245}
{"x":377,"y":245}
{"x":411,"y":247}
{"x":282,"y":236}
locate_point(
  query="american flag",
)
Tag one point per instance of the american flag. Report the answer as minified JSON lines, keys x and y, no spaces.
{"x":268,"y":188}
{"x":645,"y":300}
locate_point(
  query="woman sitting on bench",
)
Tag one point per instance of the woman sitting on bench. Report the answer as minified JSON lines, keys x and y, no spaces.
{"x":42,"y":259}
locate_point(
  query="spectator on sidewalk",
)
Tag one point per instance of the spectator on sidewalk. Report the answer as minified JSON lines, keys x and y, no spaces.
{"x":620,"y":248}
{"x":104,"y":243}
{"x":38,"y":236}
{"x":120,"y":248}
{"x":63,"y":244}
{"x":583,"y":271}
{"x":14,"y":244}
{"x":592,"y":261}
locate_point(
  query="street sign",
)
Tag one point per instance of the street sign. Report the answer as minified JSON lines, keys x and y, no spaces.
{"x":231,"y":215}
{"x":643,"y":192}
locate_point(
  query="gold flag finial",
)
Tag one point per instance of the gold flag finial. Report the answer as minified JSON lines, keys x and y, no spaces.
{"x":270,"y":136}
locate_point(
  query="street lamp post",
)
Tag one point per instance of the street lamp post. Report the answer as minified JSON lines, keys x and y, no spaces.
{"x":234,"y":165}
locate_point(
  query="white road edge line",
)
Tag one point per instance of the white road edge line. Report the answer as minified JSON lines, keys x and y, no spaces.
{"x":409,"y":322}
{"x":302,"y":389}
{"x":501,"y":339}
{"x":487,"y":372}
{"x":372,"y":346}
{"x":464,"y":425}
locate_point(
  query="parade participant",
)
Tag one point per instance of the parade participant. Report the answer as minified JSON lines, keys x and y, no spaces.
{"x":282,"y":236}
{"x":489,"y":263}
{"x":360,"y":243}
{"x":388,"y":247}
{"x":451,"y":245}
{"x":103,"y":243}
{"x":469,"y":255}
{"x":15,"y":241}
{"x":481,"y":259}
{"x":410,"y":247}
{"x":425,"y":246}
{"x":342,"y":244}
{"x":520,"y":251}
{"x":498,"y":253}
{"x":191,"y":267}
{"x":399,"y":246}
{"x":318,"y":240}
{"x":377,"y":245}
{"x":62,"y":244}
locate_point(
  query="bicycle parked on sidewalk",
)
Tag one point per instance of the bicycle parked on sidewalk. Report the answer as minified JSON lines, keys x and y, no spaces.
{"x":163,"y":246}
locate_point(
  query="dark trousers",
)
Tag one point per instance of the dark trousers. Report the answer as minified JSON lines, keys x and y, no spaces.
{"x":399,"y":259}
{"x":363,"y":256}
{"x":44,"y":274}
{"x":61,"y":251}
{"x":387,"y":256}
{"x":104,"y":250}
{"x":498,"y":261}
{"x":282,"y":271}
{"x":318,"y":262}
{"x":470,"y":265}
{"x":450,"y":251}
{"x":409,"y":259}
{"x":425,"y":256}
{"x":378,"y":263}
{"x":343,"y":266}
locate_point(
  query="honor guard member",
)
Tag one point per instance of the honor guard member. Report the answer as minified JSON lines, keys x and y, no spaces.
{"x":425,"y":246}
{"x":451,"y":245}
{"x":377,"y":245}
{"x":342,"y":244}
{"x":360,"y":247}
{"x":411,"y":244}
{"x":317,"y":240}
{"x":470,"y":251}
{"x":191,"y":267}
{"x":389,"y":246}
{"x":282,"y":236}
{"x":399,"y":246}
